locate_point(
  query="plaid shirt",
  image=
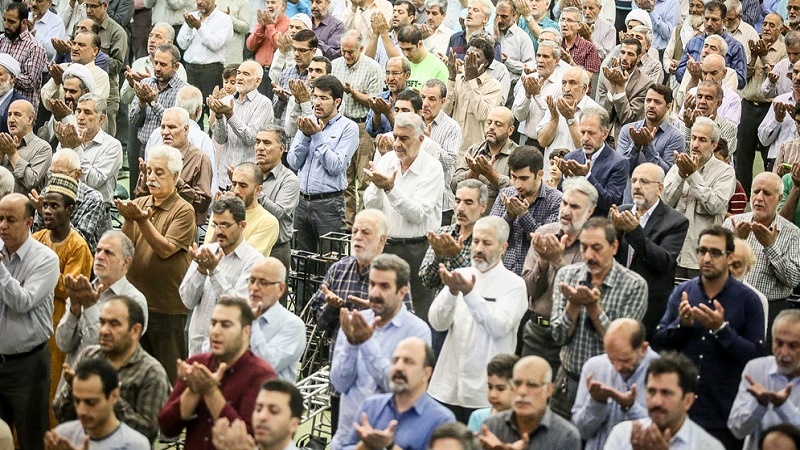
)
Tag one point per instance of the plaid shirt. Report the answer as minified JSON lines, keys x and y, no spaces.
{"x":584,"y":53}
{"x":32,"y":60}
{"x":543,"y":210}
{"x":278,"y":105}
{"x":149,"y":119}
{"x":429,"y":269}
{"x":622,"y":294}
{"x":365,"y":76}
{"x":777,"y":268}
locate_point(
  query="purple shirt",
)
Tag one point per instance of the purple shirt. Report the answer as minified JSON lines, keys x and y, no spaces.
{"x":329,"y":33}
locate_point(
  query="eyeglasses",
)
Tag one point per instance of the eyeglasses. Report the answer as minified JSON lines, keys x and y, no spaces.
{"x":223,"y":226}
{"x":302,"y":50}
{"x":715,"y":252}
{"x":792,"y":7}
{"x":262,"y":282}
{"x":393,"y":74}
{"x":319,"y":98}
{"x":643,"y":181}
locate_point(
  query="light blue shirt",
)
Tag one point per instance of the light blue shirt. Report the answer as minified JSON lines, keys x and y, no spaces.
{"x":321,"y":160}
{"x":302,"y":6}
{"x":594,"y":419}
{"x":666,"y":15}
{"x":748,"y":418}
{"x":477,"y":418}
{"x":359,"y":371}
{"x":48,"y":27}
{"x":690,"y":437}
{"x":279,"y":338}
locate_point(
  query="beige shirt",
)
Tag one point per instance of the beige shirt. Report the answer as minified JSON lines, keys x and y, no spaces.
{"x":752,"y":90}
{"x":469,"y":103}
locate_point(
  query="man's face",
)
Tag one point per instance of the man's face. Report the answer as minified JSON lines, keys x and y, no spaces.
{"x":771,"y":29}
{"x":714,"y":259}
{"x":486,"y":249}
{"x":401,"y":106}
{"x":96,"y":10}
{"x":434,"y":17}
{"x":696,"y":8}
{"x":227,"y":230}
{"x":701,"y":145}
{"x":39,"y":7}
{"x":84,"y":26}
{"x":655,"y":106}
{"x":93,"y":408}
{"x":229,"y":85}
{"x":597,"y":251}
{"x":396,"y":78}
{"x":244,"y":187}
{"x":109,"y":261}
{"x":432,"y":101}
{"x":405,"y":145}
{"x":793,"y":52}
{"x":72,"y":91}
{"x":303,"y":53}
{"x":793,"y":12}
{"x":531,"y":390}
{"x":468,"y":208}
{"x":276,"y":7}
{"x":264,"y":286}
{"x":55,"y":213}
{"x":569,"y":24}
{"x":246,"y":78}
{"x":591,"y":10}
{"x":366,"y":239}
{"x":351,"y":50}
{"x":160,"y":180}
{"x":765,"y":195}
{"x":526,"y":182}
{"x":480,"y":57}
{"x":205,"y":6}
{"x":384,"y":296}
{"x":12,"y":24}
{"x":401,"y":16}
{"x":316,"y":69}
{"x":713,"y":69}
{"x":624,"y":357}
{"x":319,"y":8}
{"x":268,"y":149}
{"x":172,"y":132}
{"x":6,"y":81}
{"x":408,"y":372}
{"x":732,"y":20}
{"x":574,"y":211}
{"x":706,"y":101}
{"x":413,"y":52}
{"x":572,"y":88}
{"x":14,"y":226}
{"x":786,"y":347}
{"x":713,"y":21}
{"x":226,"y":335}
{"x":737,"y":264}
{"x":711,"y":46}
{"x":115,"y":335}
{"x":593,"y":136}
{"x":666,"y":402}
{"x":325,"y":106}
{"x":546,"y":62}
{"x":498,"y":128}
{"x":272,"y":419}
{"x":628,"y":57}
{"x":88,"y":119}
{"x":504,"y":17}
{"x":164,"y":67}
{"x":475,"y":16}
{"x":642,"y":38}
{"x":645,"y":187}
{"x":20,"y":119}
{"x":157,"y":37}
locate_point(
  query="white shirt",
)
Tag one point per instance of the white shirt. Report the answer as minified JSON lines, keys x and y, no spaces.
{"x":530,"y":111}
{"x":784,"y":84}
{"x":439,"y":40}
{"x":764,"y":303}
{"x":205,"y":44}
{"x":604,"y":37}
{"x":731,"y":107}
{"x":414,"y":205}
{"x":517,"y":45}
{"x":48,"y":27}
{"x":480,"y":325}
{"x":774,"y":133}
{"x":101,"y":159}
{"x":562,"y":139}
{"x":642,"y":223}
{"x":690,"y":437}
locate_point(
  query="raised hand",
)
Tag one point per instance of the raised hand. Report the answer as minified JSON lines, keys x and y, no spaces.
{"x":308,"y":126}
{"x":444,"y":245}
{"x":624,"y":221}
{"x":685,"y":312}
{"x":456,"y":281}
{"x":385,"y":182}
{"x":375,"y":438}
{"x":130,"y":211}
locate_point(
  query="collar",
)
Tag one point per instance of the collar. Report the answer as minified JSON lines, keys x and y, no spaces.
{"x":596,"y":155}
{"x":22,"y":251}
{"x":249,"y":96}
{"x":119,"y":286}
{"x":324,"y":21}
{"x":26,"y":140}
{"x":104,"y":24}
{"x":275,"y":170}
{"x":647,"y":213}
{"x":48,"y":15}
{"x":272,"y":314}
{"x":438,"y":120}
{"x":545,"y":422}
{"x":99,"y":137}
{"x":135,"y":358}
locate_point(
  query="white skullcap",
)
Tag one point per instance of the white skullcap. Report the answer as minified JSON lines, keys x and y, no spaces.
{"x":11,"y":64}
{"x":303,"y":18}
{"x":641,"y":16}
{"x":80,"y":71}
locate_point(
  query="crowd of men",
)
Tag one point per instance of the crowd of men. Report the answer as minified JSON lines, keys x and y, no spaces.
{"x":559,"y":232}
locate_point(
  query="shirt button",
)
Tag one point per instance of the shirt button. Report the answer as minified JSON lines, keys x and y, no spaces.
{"x":701,"y":356}
{"x":703,"y":338}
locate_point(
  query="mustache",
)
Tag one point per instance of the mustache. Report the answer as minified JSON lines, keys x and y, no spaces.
{"x":155,"y":184}
{"x":592,"y":262}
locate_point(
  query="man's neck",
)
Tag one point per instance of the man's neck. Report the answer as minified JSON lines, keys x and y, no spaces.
{"x":118,"y":359}
{"x":570,"y":41}
{"x":469,"y":30}
{"x":157,"y":200}
{"x":654,"y":124}
{"x":162,"y":84}
{"x":109,"y":281}
{"x":38,"y":17}
{"x":534,"y":194}
{"x":712,"y":287}
{"x":277,"y":445}
{"x":367,"y":3}
{"x":766,"y":221}
{"x":405,"y":165}
{"x":105,"y":430}
{"x":382,"y":321}
{"x":60,"y":233}
{"x":432,"y":118}
{"x":316,"y":21}
{"x":208,"y":11}
{"x":466,"y":230}
{"x":89,"y":135}
{"x":497,"y":146}
{"x":527,"y":424}
{"x":598,"y":279}
{"x":266,"y":169}
{"x":406,"y":400}
{"x":11,"y":249}
{"x":232,"y":360}
{"x":324,"y":122}
{"x":231,"y":248}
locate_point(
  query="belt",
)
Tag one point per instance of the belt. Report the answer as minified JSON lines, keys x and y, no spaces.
{"x":203,"y":65}
{"x":361,"y":120}
{"x":541,"y":320}
{"x":404,"y":241}
{"x":311,"y":197}
{"x":18,"y":356}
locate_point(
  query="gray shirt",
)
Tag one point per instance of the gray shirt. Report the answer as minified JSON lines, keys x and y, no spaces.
{"x":123,"y":438}
{"x":29,"y":172}
{"x":280,"y":197}
{"x":553,"y":432}
{"x":28,"y":280}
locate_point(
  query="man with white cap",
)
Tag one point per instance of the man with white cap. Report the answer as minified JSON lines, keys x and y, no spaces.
{"x":9,"y":70}
{"x":85,"y":46}
{"x":75,"y":82}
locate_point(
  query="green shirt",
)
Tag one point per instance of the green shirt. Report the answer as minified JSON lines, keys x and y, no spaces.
{"x":431,"y":67}
{"x":787,"y":188}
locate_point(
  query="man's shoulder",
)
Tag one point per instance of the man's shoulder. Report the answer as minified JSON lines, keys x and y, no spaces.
{"x":130,"y":438}
{"x":498,"y":421}
{"x":629,"y":276}
{"x":71,"y":431}
{"x":567,"y":434}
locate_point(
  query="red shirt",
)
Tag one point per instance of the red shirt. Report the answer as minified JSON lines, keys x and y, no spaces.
{"x":262,"y":40}
{"x":240,"y":386}
{"x":584,"y":53}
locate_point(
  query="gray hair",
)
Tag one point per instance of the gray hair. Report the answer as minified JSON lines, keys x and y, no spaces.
{"x":486,"y":7}
{"x":723,"y":46}
{"x":437,"y":83}
{"x":168,"y":28}
{"x":404,"y":63}
{"x":259,"y":70}
{"x":69,"y":156}
{"x":232,"y":204}
{"x":705,"y":121}
{"x":410,"y":120}
{"x":472,"y":183}
{"x":353,"y":34}
{"x":555,"y":48}
{"x":128,"y":250}
{"x":442,"y":4}
{"x":602,"y":114}
{"x":555,"y":32}
{"x":496,"y":223}
{"x":183,"y":115}
{"x":278,"y":131}
{"x":647,"y":32}
{"x":6,"y":182}
{"x":734,"y":5}
{"x":191,"y":99}
{"x":172,"y":50}
{"x":792,"y":315}
{"x":171,"y":154}
{"x":378,"y":217}
{"x":573,"y":10}
{"x":792,"y":38}
{"x":582,"y":185}
{"x":393,"y":263}
{"x":99,"y":102}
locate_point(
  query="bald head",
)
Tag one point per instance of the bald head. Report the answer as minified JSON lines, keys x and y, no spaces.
{"x":534,"y":365}
{"x":770,"y":178}
{"x":267,"y":283}
{"x":713,"y":67}
{"x":502,"y":113}
{"x":625,"y":346}
{"x":646,"y":185}
{"x":629,"y":330}
{"x":20,"y":118}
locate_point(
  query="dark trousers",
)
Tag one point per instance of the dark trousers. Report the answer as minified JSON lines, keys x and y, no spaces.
{"x":413,"y":254}
{"x":142,"y":19}
{"x":747,"y":141}
{"x":462,"y":414}
{"x":166,"y":341}
{"x":24,"y":397}
{"x":135,"y":151}
{"x":206,"y":77}
{"x":538,"y":340}
{"x":315,"y":218}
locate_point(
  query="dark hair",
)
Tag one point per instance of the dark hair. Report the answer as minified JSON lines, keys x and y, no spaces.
{"x":430,"y":357}
{"x":21,"y":9}
{"x":717,"y":88}
{"x":558,"y":153}
{"x":526,"y":156}
{"x":602,"y":223}
{"x":722,"y":148}
{"x":663,"y":91}
{"x":634,"y":42}
{"x":229,"y":71}
{"x":638,"y":335}
{"x":295,"y":397}
{"x":717,"y":6}
{"x":485,"y":44}
{"x":94,"y":37}
{"x":457,"y":431}
{"x":306,"y":36}
{"x":172,"y":50}
{"x":502,"y":365}
{"x":413,"y":97}
{"x":674,"y":362}
{"x":102,"y":369}
{"x":135,"y":312}
{"x":389,"y":262}
{"x":328,"y":65}
{"x":409,"y":34}
{"x":331,"y":84}
{"x":247,"y":316}
{"x":720,"y":231}
{"x":410,"y":8}
{"x":231,"y":204}
{"x":30,"y":209}
{"x":786,"y":429}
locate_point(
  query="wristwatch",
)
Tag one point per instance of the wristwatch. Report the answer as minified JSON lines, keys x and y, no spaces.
{"x":570,"y":121}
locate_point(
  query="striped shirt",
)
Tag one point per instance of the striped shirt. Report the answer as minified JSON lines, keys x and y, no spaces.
{"x":101,"y":159}
{"x":365,"y":76}
{"x":552,"y":432}
{"x":32,"y":59}
{"x":788,"y":153}
{"x":149,"y":118}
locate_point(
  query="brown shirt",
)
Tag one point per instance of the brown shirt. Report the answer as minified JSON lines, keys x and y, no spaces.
{"x":158,"y":279}
{"x":500,"y":164}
